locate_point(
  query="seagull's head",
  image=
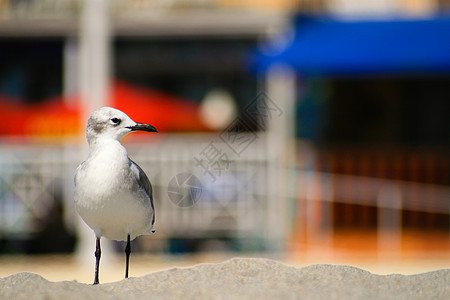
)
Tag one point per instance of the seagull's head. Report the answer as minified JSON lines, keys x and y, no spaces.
{"x":111,"y":123}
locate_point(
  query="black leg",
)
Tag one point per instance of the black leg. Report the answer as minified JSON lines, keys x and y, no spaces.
{"x":127,"y":253}
{"x":98,"y":253}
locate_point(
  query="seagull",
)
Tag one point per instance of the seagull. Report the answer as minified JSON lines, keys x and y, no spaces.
{"x":112,"y":193}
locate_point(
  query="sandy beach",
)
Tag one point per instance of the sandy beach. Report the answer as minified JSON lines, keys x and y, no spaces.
{"x":240,"y":278}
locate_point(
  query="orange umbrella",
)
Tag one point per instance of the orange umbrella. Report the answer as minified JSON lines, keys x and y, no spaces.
{"x":165,"y":112}
{"x":55,"y":117}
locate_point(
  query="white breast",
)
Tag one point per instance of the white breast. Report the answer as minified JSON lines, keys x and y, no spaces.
{"x":108,"y":197}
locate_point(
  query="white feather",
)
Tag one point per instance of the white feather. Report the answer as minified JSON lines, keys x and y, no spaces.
{"x":112,"y":194}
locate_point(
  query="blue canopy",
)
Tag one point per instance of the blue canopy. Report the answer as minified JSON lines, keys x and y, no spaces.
{"x":323,"y":46}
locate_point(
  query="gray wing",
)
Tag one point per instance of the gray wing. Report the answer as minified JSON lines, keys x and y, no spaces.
{"x":145,"y":183}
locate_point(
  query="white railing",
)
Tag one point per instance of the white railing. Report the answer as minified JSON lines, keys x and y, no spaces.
{"x":236,"y":201}
{"x":390,"y":197}
{"x":233,"y":200}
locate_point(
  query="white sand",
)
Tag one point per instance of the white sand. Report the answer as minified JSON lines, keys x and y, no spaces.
{"x":240,"y":278}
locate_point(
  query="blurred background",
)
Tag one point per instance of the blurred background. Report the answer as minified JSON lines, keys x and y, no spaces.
{"x":306,"y":131}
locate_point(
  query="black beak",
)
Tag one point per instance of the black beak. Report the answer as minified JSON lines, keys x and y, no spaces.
{"x":142,"y":127}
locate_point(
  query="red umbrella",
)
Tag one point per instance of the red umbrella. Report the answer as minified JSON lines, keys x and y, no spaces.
{"x":55,"y":117}
{"x":52,"y":118}
{"x":164,"y":111}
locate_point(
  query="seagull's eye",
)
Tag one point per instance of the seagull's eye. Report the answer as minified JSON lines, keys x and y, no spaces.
{"x":115,"y":121}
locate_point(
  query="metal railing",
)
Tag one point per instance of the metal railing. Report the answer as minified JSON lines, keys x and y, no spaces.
{"x":232,"y":201}
{"x":236,"y":200}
